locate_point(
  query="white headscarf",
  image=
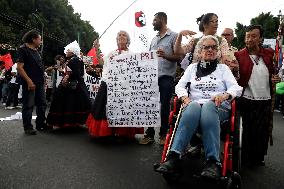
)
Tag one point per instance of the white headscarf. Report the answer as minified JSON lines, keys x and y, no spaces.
{"x":73,"y":47}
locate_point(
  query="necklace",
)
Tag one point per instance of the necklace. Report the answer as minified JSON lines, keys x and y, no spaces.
{"x":255,"y":60}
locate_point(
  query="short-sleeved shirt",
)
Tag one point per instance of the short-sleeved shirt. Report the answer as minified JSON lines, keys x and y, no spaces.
{"x":33,"y":64}
{"x":166,"y":42}
{"x":14,"y":70}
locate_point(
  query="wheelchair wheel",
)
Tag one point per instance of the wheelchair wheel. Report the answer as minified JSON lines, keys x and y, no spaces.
{"x":234,"y":182}
{"x":237,"y":143}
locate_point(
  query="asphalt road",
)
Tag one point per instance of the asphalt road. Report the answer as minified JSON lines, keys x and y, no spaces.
{"x":71,"y":159}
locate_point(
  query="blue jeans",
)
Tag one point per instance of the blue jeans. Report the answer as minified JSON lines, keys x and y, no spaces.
{"x":31,"y":99}
{"x":166,"y":87}
{"x":208,"y":116}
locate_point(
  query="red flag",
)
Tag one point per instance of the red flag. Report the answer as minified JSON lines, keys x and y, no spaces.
{"x":7,"y":59}
{"x":93,"y":54}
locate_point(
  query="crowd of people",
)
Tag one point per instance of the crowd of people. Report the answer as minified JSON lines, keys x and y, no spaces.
{"x":217,"y":73}
{"x":10,"y":95}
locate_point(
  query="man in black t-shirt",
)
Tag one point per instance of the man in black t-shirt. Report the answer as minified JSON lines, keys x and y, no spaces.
{"x":31,"y":69}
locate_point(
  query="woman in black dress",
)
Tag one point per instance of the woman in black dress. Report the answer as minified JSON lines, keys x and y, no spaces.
{"x":71,"y":104}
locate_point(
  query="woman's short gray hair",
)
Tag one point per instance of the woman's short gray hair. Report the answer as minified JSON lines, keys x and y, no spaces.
{"x":204,"y":38}
{"x":127,"y":35}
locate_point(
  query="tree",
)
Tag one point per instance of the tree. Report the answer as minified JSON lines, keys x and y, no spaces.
{"x":61,"y":25}
{"x":266,"y":20}
{"x":240,"y":36}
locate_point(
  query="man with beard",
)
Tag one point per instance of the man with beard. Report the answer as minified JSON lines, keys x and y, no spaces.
{"x":256,"y":70}
{"x":31,"y":69}
{"x":163,"y":42}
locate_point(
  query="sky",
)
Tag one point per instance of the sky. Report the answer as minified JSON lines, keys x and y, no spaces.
{"x":181,"y":14}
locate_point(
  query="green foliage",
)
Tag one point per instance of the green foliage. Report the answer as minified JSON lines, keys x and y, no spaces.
{"x":269,"y":23}
{"x":266,"y":20}
{"x":61,"y":25}
{"x":240,"y":36}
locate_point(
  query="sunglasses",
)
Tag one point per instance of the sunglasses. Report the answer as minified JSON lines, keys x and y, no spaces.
{"x":207,"y":47}
{"x":225,"y":34}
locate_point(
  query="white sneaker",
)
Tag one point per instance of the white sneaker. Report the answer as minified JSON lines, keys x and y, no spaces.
{"x":9,"y":108}
{"x":19,"y":106}
{"x":4,"y":104}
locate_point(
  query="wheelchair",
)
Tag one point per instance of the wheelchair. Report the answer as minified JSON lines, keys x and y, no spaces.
{"x":230,"y":157}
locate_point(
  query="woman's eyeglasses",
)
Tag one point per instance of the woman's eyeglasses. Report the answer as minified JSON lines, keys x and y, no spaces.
{"x":207,"y":47}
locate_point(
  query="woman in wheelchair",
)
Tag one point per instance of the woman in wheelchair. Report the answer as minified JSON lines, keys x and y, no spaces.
{"x":205,"y":91}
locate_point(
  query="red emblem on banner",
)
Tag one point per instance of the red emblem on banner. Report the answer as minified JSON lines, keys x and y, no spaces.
{"x":140,"y":19}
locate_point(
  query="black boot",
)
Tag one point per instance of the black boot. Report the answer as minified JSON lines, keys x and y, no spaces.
{"x":30,"y":131}
{"x":259,"y":160}
{"x":171,"y":165}
{"x":212,"y":170}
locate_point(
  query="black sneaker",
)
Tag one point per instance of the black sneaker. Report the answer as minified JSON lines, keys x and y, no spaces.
{"x":212,"y":170}
{"x":30,"y":131}
{"x":44,"y":127}
{"x":259,"y":161}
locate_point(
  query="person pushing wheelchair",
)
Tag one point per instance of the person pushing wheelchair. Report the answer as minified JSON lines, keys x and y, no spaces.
{"x":205,"y":89}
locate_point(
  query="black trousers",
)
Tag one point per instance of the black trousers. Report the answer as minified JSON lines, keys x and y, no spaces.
{"x":166,"y":88}
{"x":13,"y":90}
{"x":30,"y":99}
{"x":256,"y":119}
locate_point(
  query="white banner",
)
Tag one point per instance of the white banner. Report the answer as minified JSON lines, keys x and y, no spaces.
{"x":270,"y":43}
{"x":140,"y":41}
{"x":133,"y":92}
{"x":92,"y":84}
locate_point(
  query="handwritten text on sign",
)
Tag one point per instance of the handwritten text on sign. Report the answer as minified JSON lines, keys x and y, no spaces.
{"x":92,"y":84}
{"x":133,"y":92}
